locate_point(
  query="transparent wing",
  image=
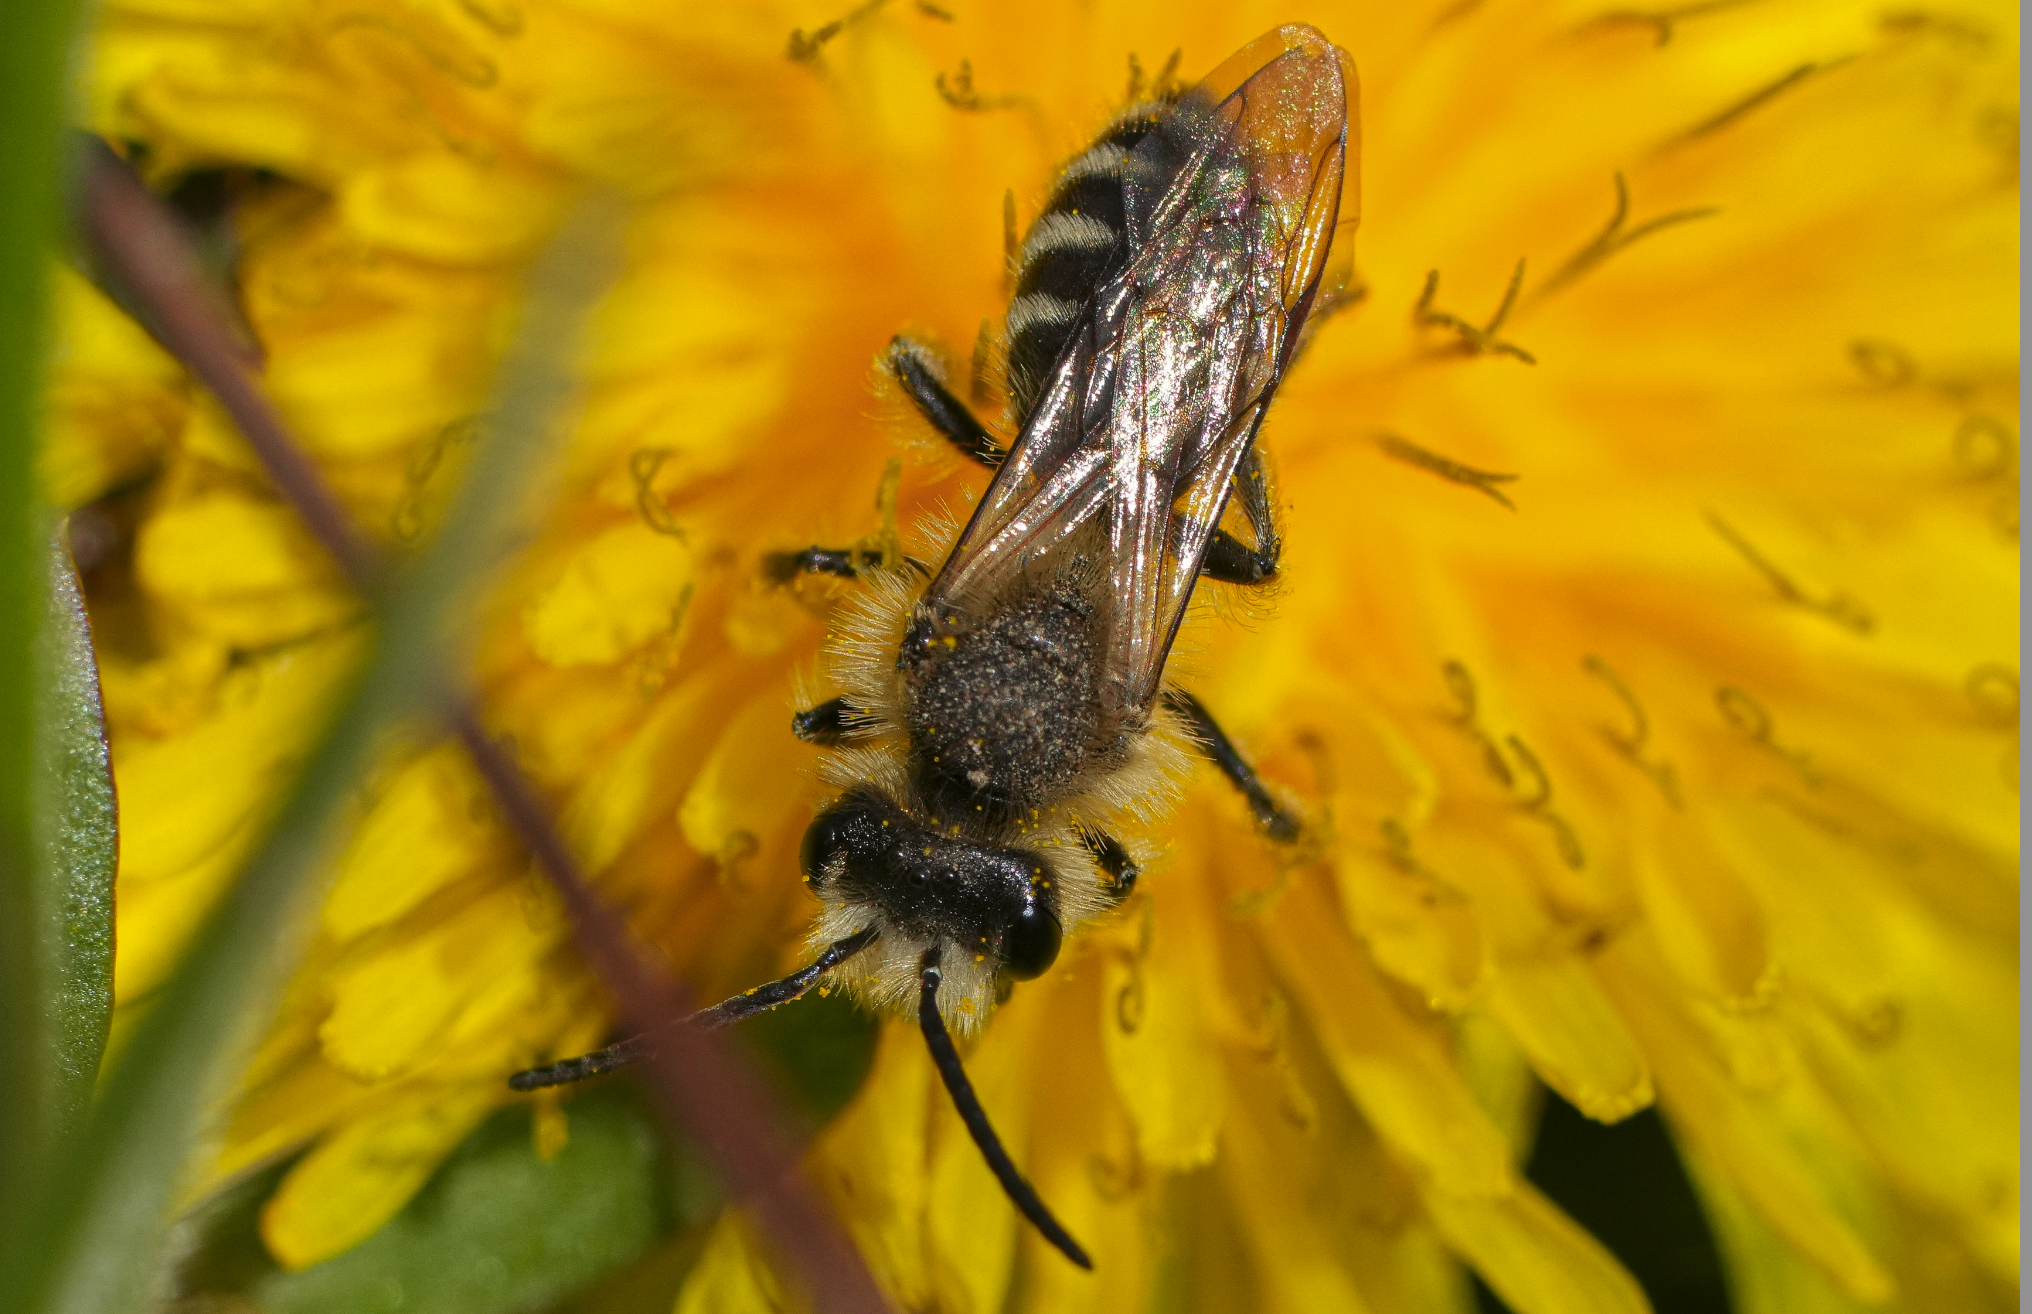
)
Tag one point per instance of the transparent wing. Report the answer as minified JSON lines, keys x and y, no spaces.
{"x":1155,"y":400}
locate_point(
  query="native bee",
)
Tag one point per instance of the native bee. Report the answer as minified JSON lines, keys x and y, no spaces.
{"x":1003,"y":712}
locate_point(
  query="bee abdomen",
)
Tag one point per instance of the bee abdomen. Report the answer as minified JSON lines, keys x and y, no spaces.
{"x":1078,"y":242}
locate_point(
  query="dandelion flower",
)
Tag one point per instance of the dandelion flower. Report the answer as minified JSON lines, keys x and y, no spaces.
{"x":1645,"y":663}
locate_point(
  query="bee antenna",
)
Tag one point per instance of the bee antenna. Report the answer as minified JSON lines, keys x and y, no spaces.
{"x":623,"y":1053}
{"x":1019,"y":1191}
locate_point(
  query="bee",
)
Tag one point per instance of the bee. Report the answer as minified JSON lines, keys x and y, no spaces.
{"x":1006,"y":711}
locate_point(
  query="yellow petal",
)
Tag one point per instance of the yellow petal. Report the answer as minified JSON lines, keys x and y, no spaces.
{"x":429,"y":824}
{"x":1299,"y":1238}
{"x":1558,"y":1015}
{"x":444,"y":206}
{"x":871,"y":1162}
{"x":970,"y":1225}
{"x":738,"y":798}
{"x":1156,"y":1028}
{"x":361,"y":1176}
{"x":246,"y":570}
{"x":731,"y":1276}
{"x":184,"y":796}
{"x":1397,"y":1072}
{"x":1082,"y":1158}
{"x":1533,"y":1256}
{"x":1744,"y":1133}
{"x":620,"y":590}
{"x":643,"y":779}
{"x":1707,"y":924}
{"x":390,"y":1005}
{"x":116,"y":401}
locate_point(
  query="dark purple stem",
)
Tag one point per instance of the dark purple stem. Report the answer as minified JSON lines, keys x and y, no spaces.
{"x":700,"y":1085}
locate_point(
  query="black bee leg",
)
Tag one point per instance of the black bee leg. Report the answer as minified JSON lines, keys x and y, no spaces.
{"x":746,"y":1004}
{"x":916,"y":369}
{"x":1231,"y":561}
{"x":1278,"y":824}
{"x":1113,"y":860}
{"x":947,"y":1060}
{"x":829,"y":723}
{"x":847,"y":563}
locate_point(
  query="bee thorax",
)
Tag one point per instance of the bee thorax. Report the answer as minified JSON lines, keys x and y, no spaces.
{"x":1003,"y":716}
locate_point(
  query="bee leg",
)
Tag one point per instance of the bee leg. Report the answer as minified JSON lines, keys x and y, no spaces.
{"x":1114,"y":861}
{"x":829,"y":723}
{"x":917,"y":371}
{"x":1278,"y":824}
{"x":634,"y":1049}
{"x":847,"y":563}
{"x":947,"y":1059}
{"x":1232,"y":561}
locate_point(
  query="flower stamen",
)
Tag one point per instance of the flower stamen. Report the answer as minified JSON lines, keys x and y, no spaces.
{"x":1762,"y":96}
{"x":1631,"y":746}
{"x":804,"y":46}
{"x":642,"y":467}
{"x":1165,"y":82}
{"x":1840,"y":606}
{"x":961,"y":93}
{"x":1662,"y":21}
{"x":1474,"y":341}
{"x":1461,"y":685}
{"x":1613,"y":239}
{"x":1424,"y":458}
{"x":1539,"y":805}
{"x":1749,"y":716}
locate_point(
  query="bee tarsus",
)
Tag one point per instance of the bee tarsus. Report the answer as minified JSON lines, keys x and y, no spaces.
{"x":915,"y":369}
{"x":946,"y":1057}
{"x":1114,"y":861}
{"x":831,"y":722}
{"x":847,"y":563}
{"x":1277,"y":823}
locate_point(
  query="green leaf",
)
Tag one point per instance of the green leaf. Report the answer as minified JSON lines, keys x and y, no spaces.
{"x":33,"y":64}
{"x":92,"y":1242}
{"x":77,"y":847}
{"x":818,"y":1049}
{"x":497,"y":1230}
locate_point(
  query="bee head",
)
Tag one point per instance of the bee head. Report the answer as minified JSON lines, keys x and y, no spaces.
{"x":989,"y":900}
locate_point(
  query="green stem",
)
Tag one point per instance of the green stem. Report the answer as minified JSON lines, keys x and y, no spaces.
{"x":35,"y":38}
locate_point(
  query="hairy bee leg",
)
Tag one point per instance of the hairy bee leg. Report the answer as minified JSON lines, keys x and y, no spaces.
{"x":829,"y":723}
{"x":912,"y":364}
{"x":1232,"y":561}
{"x":1278,"y":824}
{"x":1114,"y":860}
{"x":847,"y":563}
{"x":634,"y":1049}
{"x":947,"y":1059}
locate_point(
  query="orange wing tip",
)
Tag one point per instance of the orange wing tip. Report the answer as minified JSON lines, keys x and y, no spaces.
{"x":1292,"y":98}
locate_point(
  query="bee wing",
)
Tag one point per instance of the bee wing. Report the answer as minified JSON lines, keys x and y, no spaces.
{"x":1155,"y":399}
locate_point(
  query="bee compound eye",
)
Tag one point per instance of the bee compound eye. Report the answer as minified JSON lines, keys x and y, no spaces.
{"x":837,"y":833}
{"x":1030,"y":942}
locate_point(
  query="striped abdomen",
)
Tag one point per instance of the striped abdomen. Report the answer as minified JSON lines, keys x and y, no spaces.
{"x":1081,"y":239}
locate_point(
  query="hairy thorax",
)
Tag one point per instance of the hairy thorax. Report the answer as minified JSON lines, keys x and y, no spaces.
{"x":1006,"y":714}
